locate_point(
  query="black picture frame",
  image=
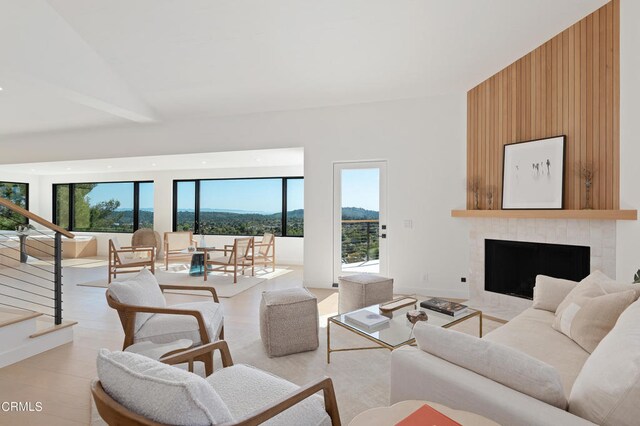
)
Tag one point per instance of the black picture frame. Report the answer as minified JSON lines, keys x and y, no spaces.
{"x":508,"y":203}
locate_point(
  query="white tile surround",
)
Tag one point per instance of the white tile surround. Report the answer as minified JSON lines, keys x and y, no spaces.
{"x":599,"y":235}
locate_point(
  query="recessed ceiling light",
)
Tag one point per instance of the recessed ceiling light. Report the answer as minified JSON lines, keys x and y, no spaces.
{"x":108,"y":167}
{"x":68,"y":168}
{"x":1,"y":89}
{"x":204,"y":162}
{"x":258,"y":159}
{"x":33,"y":170}
{"x":153,"y":164}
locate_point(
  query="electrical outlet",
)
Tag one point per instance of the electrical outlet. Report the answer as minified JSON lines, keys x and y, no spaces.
{"x":463,"y":279}
{"x":408,"y":223}
{"x":334,"y":285}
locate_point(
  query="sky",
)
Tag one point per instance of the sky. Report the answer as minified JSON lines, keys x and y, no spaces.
{"x":122,"y":192}
{"x":361,"y":188}
{"x":251,"y":195}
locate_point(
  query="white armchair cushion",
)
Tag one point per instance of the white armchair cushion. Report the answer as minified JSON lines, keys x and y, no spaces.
{"x":549,"y":292}
{"x":244,"y":389}
{"x":141,"y":290}
{"x":500,"y":363}
{"x":607,"y":390}
{"x":158,"y":391}
{"x":166,"y":328}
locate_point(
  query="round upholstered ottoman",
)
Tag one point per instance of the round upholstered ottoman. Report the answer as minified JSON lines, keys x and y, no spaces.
{"x":358,"y":291}
{"x":288,"y":321}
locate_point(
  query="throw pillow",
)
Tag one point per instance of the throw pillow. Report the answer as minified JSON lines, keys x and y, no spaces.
{"x":497,"y":362}
{"x":141,"y":290}
{"x":549,"y":292}
{"x":588,"y":320}
{"x":596,"y":284}
{"x":607,"y":390}
{"x":158,"y":391}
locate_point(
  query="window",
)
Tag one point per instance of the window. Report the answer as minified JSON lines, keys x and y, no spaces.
{"x":184,"y":214}
{"x":246,"y":206}
{"x":17,"y":193}
{"x":103,"y":207}
{"x":145,"y":205}
{"x":295,"y":207}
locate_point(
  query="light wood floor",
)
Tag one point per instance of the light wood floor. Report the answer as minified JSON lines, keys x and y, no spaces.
{"x":60,"y":378}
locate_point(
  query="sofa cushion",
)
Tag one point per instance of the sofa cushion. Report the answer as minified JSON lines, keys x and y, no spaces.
{"x":587,"y":320}
{"x":549,"y":292}
{"x":607,"y":391}
{"x":245,"y":389}
{"x":596,"y":284}
{"x":166,"y":328}
{"x":159,"y":391}
{"x":531,"y":333}
{"x":141,"y":290}
{"x":495,"y":361}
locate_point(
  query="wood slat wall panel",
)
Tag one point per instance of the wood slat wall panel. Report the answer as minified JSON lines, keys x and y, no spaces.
{"x":569,"y":85}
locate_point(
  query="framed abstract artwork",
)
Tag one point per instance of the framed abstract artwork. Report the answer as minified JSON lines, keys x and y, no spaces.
{"x":533,"y":174}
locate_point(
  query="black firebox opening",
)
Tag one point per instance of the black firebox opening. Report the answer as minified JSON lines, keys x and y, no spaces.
{"x":511,"y":267}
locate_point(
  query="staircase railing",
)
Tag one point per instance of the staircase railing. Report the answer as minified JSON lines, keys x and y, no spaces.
{"x":31,"y":262}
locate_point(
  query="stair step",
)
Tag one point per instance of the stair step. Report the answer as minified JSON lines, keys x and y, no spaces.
{"x":8,"y":317}
{"x":51,"y":328}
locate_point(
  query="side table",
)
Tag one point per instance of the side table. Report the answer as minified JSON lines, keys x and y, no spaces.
{"x":389,"y":416}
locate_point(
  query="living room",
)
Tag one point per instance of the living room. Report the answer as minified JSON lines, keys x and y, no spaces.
{"x":421,"y":89}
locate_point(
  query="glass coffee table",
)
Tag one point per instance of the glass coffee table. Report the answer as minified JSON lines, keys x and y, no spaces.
{"x":398,"y":331}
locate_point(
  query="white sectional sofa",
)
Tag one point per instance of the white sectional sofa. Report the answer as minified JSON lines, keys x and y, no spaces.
{"x":602,"y":387}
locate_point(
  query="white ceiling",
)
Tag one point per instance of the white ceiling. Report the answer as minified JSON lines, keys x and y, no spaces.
{"x":79,"y":63}
{"x":212,"y":160}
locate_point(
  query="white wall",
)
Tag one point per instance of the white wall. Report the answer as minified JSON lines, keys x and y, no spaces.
{"x":423,"y":141}
{"x":290,"y":250}
{"x":628,"y":237}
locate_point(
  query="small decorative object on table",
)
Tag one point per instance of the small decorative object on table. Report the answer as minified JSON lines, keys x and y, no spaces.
{"x":417,"y":315}
{"x":398,"y":303}
{"x":444,"y":306}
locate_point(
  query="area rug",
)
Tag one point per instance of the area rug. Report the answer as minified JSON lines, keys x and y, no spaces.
{"x":360,"y":378}
{"x":223,"y":284}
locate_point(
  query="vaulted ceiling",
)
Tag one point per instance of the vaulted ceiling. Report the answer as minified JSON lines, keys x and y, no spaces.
{"x":81,"y":63}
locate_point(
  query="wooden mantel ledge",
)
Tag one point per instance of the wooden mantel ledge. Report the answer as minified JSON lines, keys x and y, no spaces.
{"x":550,"y":214}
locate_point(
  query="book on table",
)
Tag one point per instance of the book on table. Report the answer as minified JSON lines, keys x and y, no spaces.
{"x":444,"y":306}
{"x":427,"y":416}
{"x":367,"y":319}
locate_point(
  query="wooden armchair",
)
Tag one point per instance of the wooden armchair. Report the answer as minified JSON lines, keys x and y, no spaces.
{"x":235,"y":257}
{"x":206,"y":326}
{"x":264,"y":251}
{"x":116,"y":414}
{"x":124,"y":260}
{"x":175,"y":243}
